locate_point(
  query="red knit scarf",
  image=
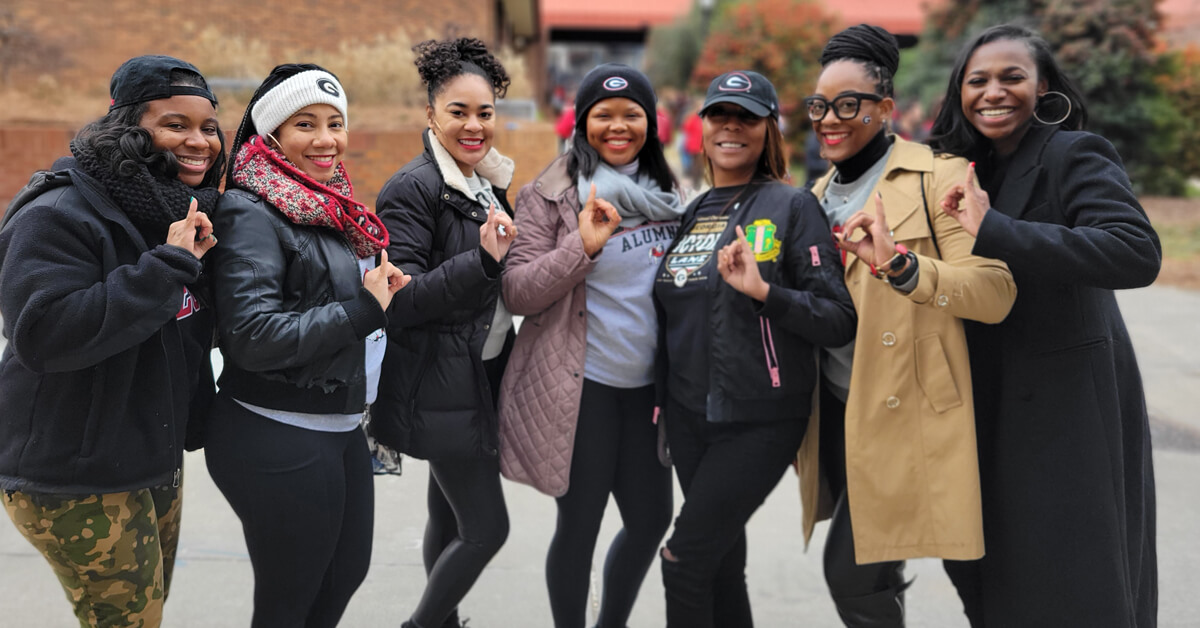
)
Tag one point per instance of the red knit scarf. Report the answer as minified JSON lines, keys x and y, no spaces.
{"x":304,"y":200}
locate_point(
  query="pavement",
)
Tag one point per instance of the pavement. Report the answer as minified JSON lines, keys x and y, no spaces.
{"x":213,"y":580}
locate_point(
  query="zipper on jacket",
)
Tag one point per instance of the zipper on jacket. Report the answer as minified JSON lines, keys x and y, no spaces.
{"x":175,"y":478}
{"x":768,"y":341}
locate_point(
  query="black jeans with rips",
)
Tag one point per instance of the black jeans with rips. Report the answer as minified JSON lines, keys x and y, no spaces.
{"x":726,"y":471}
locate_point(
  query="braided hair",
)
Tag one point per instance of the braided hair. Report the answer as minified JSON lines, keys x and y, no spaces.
{"x":120,"y":142}
{"x":871,"y":47}
{"x":438,"y":62}
{"x":247,"y":129}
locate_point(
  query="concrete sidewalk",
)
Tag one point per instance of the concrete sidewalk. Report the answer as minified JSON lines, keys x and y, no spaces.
{"x":213,"y":582}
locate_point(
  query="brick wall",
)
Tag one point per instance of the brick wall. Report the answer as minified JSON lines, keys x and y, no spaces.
{"x":95,"y":37}
{"x":372,"y":156}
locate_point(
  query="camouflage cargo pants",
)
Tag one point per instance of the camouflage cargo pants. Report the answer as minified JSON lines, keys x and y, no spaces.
{"x":112,"y":552}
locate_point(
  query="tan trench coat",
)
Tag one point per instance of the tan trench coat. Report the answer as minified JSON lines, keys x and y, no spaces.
{"x":912,"y":468}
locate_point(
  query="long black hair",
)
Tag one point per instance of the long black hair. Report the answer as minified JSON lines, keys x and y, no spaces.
{"x":247,"y":129}
{"x":583,"y":159}
{"x":119,"y":140}
{"x":953,"y":133}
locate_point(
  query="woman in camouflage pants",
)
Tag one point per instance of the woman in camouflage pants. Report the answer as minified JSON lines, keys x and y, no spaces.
{"x":108,"y":340}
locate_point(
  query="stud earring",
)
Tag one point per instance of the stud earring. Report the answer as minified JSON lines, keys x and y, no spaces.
{"x":866,"y":119}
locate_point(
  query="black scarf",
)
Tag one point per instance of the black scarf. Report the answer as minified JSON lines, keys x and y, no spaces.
{"x":151,"y":203}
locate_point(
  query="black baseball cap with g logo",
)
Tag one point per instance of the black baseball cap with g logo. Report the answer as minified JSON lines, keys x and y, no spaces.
{"x":148,"y":77}
{"x":746,"y":88}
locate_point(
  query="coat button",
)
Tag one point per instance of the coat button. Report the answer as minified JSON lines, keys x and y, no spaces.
{"x":576,"y":374}
{"x":474,"y":214}
{"x":445,"y":197}
{"x":889,"y":339}
{"x":943,"y":300}
{"x":893,"y":402}
{"x":487,"y":325}
{"x":581,"y":312}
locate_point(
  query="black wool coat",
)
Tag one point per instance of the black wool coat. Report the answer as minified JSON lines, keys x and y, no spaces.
{"x":1064,"y":439}
{"x":435,"y":401}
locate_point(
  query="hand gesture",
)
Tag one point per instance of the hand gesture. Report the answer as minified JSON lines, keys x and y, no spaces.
{"x":384,"y":281}
{"x":497,"y":233}
{"x":967,"y":203}
{"x":876,"y":245}
{"x":597,"y":222}
{"x":192,"y":234}
{"x":736,"y":263}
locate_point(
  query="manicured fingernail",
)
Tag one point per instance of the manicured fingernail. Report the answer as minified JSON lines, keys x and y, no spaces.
{"x":972,"y":164}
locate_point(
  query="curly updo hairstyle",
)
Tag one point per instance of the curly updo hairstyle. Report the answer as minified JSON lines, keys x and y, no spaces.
{"x":440,"y":61}
{"x":119,"y":140}
{"x":871,"y":47}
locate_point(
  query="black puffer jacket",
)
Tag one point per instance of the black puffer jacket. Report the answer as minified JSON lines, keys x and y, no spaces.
{"x":105,"y":343}
{"x":434,"y":399}
{"x":292,"y":311}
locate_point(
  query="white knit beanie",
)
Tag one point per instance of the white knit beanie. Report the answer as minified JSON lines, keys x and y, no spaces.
{"x":297,"y":92}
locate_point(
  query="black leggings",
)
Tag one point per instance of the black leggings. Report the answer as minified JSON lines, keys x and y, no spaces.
{"x":726,"y":472}
{"x":468,"y":523}
{"x":845,"y":578}
{"x":306,"y":500}
{"x":615,"y":453}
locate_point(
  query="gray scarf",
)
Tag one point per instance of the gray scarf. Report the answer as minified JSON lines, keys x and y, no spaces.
{"x":638,"y":198}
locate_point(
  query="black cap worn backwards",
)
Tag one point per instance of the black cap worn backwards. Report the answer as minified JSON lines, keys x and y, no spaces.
{"x":746,"y":88}
{"x":149,"y":78}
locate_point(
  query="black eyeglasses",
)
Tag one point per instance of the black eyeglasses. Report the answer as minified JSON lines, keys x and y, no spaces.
{"x":718,"y":113}
{"x":845,"y":106}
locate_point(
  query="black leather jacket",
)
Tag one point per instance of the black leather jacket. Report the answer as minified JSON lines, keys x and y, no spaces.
{"x":434,"y":399}
{"x":292,"y":311}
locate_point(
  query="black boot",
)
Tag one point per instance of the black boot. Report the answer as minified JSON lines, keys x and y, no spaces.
{"x":882,"y":609}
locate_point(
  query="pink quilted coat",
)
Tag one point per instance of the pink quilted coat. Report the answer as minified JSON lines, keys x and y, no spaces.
{"x":544,"y":282}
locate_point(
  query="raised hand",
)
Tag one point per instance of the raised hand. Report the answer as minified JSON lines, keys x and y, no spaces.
{"x":967,"y":203}
{"x":384,"y":281}
{"x":739,"y":269}
{"x":597,"y":221}
{"x":194,"y":233}
{"x":497,"y":233}
{"x":876,"y":246}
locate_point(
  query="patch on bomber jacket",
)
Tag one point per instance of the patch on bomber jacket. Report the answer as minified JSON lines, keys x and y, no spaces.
{"x":761,"y":236}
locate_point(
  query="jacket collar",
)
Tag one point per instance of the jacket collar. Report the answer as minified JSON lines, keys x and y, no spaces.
{"x":900,"y":205}
{"x":496,"y":168}
{"x":98,"y":198}
{"x":1023,"y":171}
{"x":554,"y":181}
{"x":905,"y":156}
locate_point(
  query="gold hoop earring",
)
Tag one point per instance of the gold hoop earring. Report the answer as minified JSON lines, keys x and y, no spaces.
{"x":277,"y":146}
{"x":1040,"y":102}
